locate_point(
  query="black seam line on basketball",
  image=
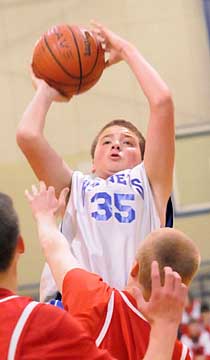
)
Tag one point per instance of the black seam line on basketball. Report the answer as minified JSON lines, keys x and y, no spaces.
{"x":96,"y":55}
{"x":96,"y":60}
{"x":58,"y":62}
{"x":41,"y":75}
{"x":78,"y":53}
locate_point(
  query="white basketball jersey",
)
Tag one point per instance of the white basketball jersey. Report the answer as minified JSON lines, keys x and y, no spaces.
{"x":106,"y":219}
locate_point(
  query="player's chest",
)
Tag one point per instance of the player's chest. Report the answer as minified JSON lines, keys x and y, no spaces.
{"x":120,"y":198}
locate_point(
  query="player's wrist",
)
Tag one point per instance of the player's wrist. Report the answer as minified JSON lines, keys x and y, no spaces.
{"x":46,"y":92}
{"x":128,"y":50}
{"x":165,"y":328}
{"x":45,"y":218}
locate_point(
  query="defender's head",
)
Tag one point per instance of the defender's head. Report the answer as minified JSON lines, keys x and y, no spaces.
{"x":169,"y":247}
{"x":10,"y":240}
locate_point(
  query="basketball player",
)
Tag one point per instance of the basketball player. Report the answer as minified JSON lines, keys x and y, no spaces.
{"x":128,"y":194}
{"x":113,"y":317}
{"x":30,"y":330}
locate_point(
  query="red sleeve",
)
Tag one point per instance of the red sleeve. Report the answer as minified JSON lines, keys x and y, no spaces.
{"x":85,"y":295}
{"x":181,"y":352}
{"x":52,"y":334}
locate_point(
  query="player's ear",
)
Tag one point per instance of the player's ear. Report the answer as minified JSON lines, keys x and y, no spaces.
{"x":135,"y":269}
{"x":20,"y":245}
{"x":93,"y":169}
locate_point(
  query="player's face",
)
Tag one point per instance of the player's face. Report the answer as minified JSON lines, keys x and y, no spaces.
{"x":117,"y":149}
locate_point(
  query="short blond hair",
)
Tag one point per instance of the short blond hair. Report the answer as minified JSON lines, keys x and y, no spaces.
{"x":169,"y":247}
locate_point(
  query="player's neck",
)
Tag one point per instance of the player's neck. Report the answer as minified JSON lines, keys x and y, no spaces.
{"x":8,"y":279}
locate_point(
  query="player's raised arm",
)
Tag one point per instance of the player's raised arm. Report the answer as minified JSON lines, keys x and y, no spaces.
{"x":45,"y":208}
{"x":163,"y":311}
{"x":44,"y":160}
{"x":159,"y":151}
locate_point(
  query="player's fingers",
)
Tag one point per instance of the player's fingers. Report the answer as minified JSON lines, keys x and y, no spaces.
{"x":107,"y":63}
{"x":62,"y":202}
{"x":100,"y":38}
{"x":28,"y":195}
{"x":141,"y":303}
{"x":102,"y":29}
{"x":42,"y":186}
{"x":96,"y":24}
{"x":184,"y":292}
{"x":51,"y":191}
{"x":96,"y":31}
{"x":181,"y":291}
{"x":155,"y":276}
{"x":63,"y":195}
{"x":98,"y":35}
{"x":169,"y":279}
{"x":34,"y":190}
{"x":177,"y":282}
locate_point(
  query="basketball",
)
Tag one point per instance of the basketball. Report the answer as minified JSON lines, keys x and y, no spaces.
{"x":69,"y":58}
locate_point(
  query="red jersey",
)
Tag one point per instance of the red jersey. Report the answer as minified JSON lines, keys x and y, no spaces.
{"x":110,"y":316}
{"x":31,"y":331}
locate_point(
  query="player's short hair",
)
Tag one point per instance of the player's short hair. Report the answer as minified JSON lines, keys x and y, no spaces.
{"x":170,"y":247}
{"x":126,"y":124}
{"x":9,"y":231}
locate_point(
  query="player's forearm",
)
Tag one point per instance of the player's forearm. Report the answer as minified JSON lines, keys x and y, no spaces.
{"x":33,"y":120}
{"x":41,"y":156}
{"x":161,"y":343}
{"x":49,"y":235}
{"x":55,"y":248}
{"x":150,"y":81}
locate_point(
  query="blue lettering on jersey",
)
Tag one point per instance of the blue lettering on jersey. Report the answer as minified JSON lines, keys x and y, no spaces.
{"x":138,"y":186}
{"x":118,"y":199}
{"x":125,"y":213}
{"x":124,"y":179}
{"x":121,"y":179}
{"x":111,"y":179}
{"x":104,"y":201}
{"x":84,"y":186}
{"x":89,"y":186}
{"x":104,"y":211}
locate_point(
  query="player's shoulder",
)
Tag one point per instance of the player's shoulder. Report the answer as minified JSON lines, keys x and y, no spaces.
{"x":86,"y":287}
{"x":138,"y":171}
{"x":79,"y":175}
{"x":81,"y":277}
{"x":20,"y":301}
{"x":81,"y":181}
{"x":47,"y":317}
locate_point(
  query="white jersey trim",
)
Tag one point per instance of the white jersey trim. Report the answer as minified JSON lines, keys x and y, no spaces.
{"x":132,"y":307}
{"x":107,"y":321}
{"x":8,"y":298}
{"x":184,"y":352}
{"x":18,"y":329}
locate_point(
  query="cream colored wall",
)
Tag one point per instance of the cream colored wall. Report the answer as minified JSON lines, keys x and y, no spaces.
{"x":172,"y":37}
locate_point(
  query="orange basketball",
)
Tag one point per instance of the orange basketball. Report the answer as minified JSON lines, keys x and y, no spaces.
{"x":68,"y":58}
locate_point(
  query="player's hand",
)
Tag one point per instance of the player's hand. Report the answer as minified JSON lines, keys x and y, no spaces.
{"x":166,"y":302}
{"x":111,"y":42}
{"x":52,"y":93}
{"x":44,"y":203}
